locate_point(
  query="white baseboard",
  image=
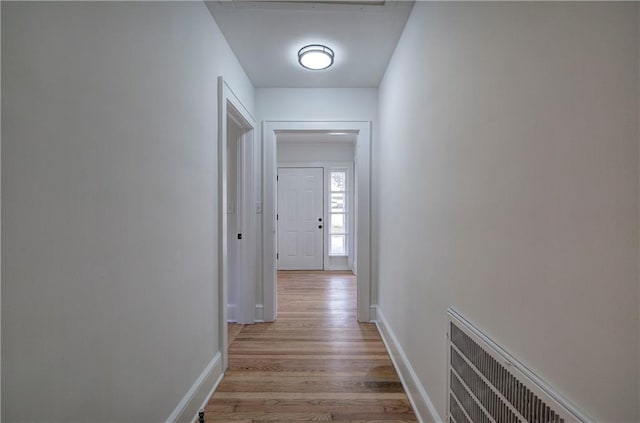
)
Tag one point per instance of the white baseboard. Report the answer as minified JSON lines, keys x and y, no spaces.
{"x":196,"y":398}
{"x":259,"y":313}
{"x":338,"y":268}
{"x":420,"y":401}
{"x":373,"y":313}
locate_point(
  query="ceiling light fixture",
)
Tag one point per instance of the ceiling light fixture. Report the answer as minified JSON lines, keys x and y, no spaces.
{"x":315,"y":57}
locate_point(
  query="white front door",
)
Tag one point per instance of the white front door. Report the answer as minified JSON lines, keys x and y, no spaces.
{"x":300,"y":218}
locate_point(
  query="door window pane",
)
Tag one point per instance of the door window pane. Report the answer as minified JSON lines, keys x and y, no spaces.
{"x":338,"y":203}
{"x":338,"y":224}
{"x":338,"y":245}
{"x":338,"y":181}
{"x":338,"y":213}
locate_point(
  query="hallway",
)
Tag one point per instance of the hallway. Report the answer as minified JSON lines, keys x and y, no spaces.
{"x":316,"y":362}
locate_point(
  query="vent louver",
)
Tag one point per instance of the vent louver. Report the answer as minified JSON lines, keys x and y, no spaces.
{"x":487,"y":385}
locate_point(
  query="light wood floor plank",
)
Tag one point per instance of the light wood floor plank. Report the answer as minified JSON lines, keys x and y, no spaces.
{"x":315,"y":363}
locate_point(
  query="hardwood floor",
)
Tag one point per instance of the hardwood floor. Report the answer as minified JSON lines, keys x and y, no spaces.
{"x":234,"y":331}
{"x":315,"y":363}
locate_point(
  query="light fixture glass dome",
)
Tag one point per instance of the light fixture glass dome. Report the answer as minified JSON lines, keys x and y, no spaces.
{"x":315,"y":57}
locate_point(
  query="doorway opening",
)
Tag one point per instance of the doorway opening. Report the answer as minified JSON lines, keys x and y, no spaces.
{"x":344,"y":227}
{"x":236,"y":215}
{"x":236,"y":220}
{"x":315,"y":201}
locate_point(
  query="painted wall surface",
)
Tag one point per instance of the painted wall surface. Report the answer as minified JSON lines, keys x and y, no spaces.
{"x":109,"y":211}
{"x":509,"y":133}
{"x":318,"y":104}
{"x":315,"y":152}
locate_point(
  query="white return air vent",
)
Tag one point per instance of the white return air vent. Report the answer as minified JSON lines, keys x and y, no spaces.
{"x":485,"y":384}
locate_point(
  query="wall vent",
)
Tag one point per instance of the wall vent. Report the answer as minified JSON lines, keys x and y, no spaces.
{"x":485,"y":384}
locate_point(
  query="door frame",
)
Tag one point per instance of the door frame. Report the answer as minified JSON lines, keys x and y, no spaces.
{"x":362,"y":201}
{"x":352,"y":221}
{"x":230,"y":106}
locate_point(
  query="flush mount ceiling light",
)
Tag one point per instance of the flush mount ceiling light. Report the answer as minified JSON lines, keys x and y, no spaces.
{"x":315,"y":57}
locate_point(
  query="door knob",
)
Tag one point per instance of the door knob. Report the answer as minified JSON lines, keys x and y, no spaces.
{"x":319,"y":219}
{"x":319,"y":226}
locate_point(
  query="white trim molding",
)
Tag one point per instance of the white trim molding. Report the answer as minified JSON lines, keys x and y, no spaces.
{"x":259,"y":313}
{"x":230,"y":106}
{"x":232,"y":311}
{"x":420,"y":402}
{"x":362,"y":202}
{"x":197,"y":396}
{"x":373,"y":312}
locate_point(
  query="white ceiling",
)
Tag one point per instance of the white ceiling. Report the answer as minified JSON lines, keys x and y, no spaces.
{"x":266,"y":36}
{"x":316,"y":137}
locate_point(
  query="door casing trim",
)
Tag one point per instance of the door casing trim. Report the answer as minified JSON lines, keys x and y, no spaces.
{"x":229,"y":105}
{"x":362,"y":173}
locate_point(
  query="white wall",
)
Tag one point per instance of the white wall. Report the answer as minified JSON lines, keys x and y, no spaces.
{"x":318,"y":104}
{"x":508,"y":164}
{"x":309,"y":152}
{"x":109,"y":169}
